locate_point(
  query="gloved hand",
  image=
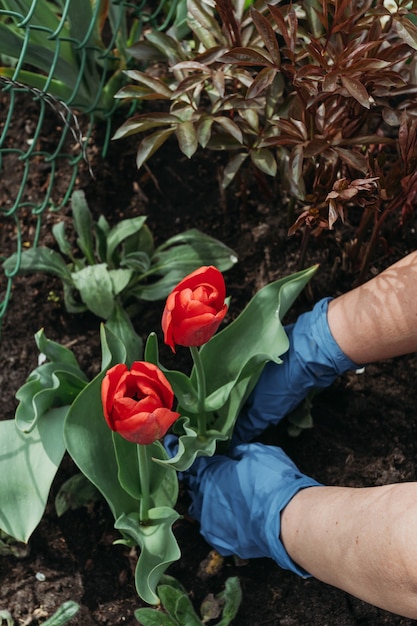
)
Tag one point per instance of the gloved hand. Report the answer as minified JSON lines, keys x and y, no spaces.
{"x":313,"y":360}
{"x":238,"y":500}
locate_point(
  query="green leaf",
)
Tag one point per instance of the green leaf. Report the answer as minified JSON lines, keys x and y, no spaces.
{"x":184,"y":390}
{"x":123,"y":230}
{"x":32,"y":461}
{"x":112,"y":348}
{"x":80,"y":17}
{"x":138,"y":262}
{"x":153,"y":617}
{"x":52,"y":384}
{"x":58,"y":231}
{"x":158,"y":289}
{"x":163,"y":482}
{"x":96,"y":289}
{"x":230,"y":127}
{"x":56,"y":352}
{"x":232,"y":598}
{"x":151,"y":144}
{"x":66,"y":611}
{"x":84,"y":225}
{"x":143,"y":122}
{"x":301,"y":418}
{"x":46,"y":387}
{"x":187,"y":138}
{"x":264,"y":160}
{"x":191,"y":445}
{"x":257,"y":330}
{"x":90,"y":443}
{"x":158,"y":548}
{"x":257,"y":333}
{"x":72,"y":303}
{"x":120,"y":279}
{"x":76,"y":492}
{"x":178,"y":605}
{"x":204,"y":126}
{"x":120,"y":324}
{"x":233,"y":167}
{"x":39,"y":259}
{"x":155,"y":84}
{"x":189,"y":250}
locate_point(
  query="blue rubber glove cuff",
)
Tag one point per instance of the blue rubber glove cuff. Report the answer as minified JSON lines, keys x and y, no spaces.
{"x":238,"y":500}
{"x":313,"y":360}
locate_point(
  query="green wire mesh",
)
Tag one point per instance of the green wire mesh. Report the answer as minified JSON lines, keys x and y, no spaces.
{"x":61,"y":60}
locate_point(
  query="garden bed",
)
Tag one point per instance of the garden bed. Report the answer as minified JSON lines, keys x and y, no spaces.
{"x":365,"y":427}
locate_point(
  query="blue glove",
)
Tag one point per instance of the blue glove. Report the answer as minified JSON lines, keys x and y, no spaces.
{"x":238,"y":501}
{"x":313,"y":360}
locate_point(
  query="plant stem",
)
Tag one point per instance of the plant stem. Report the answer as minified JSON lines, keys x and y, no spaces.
{"x":201,"y":391}
{"x":144,"y":478}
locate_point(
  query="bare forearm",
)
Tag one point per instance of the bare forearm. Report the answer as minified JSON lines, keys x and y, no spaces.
{"x":378,"y":320}
{"x":363,"y":541}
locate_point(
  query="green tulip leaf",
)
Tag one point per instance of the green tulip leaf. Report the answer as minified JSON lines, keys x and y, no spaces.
{"x":182,"y":386}
{"x":113,"y":350}
{"x":41,"y":393}
{"x":163,"y":482}
{"x":88,"y":438}
{"x":120,"y":324}
{"x":191,"y":445}
{"x":76,"y":492}
{"x":55,"y":351}
{"x":89,"y":442}
{"x":52,"y":384}
{"x":32,"y":461}
{"x":158,"y":547}
{"x":256,"y":331}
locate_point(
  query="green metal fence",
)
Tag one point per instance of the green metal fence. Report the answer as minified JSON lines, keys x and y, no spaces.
{"x":60,"y":59}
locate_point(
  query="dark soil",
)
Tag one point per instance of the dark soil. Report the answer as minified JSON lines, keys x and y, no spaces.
{"x":365,"y":428}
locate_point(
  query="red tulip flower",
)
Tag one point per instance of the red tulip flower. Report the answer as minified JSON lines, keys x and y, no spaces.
{"x":195,"y":308}
{"x":137,"y":403}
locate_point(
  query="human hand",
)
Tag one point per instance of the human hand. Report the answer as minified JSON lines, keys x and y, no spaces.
{"x":313,"y":360}
{"x":238,"y":500}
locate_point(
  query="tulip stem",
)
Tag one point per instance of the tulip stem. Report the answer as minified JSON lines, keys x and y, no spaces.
{"x":201,"y":390}
{"x":144,"y":478}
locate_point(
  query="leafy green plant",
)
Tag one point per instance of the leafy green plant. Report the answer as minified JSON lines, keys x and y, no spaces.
{"x":60,"y":49}
{"x":63,"y":614}
{"x":114,"y":268}
{"x":112,"y":425}
{"x":318,"y":94}
{"x":179,"y":610}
